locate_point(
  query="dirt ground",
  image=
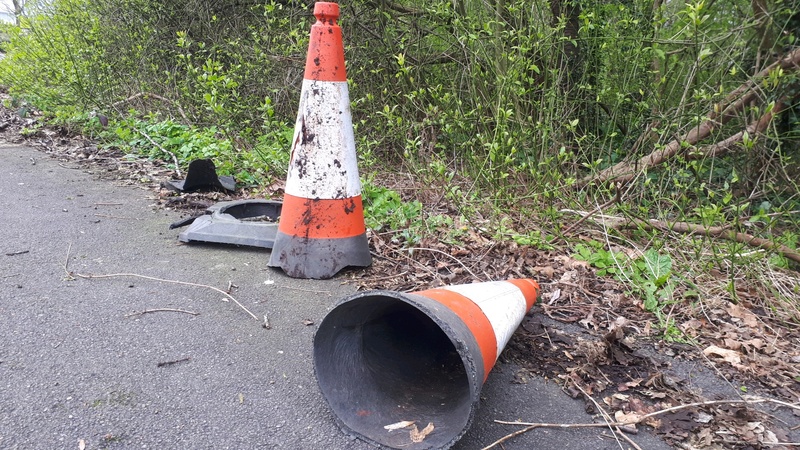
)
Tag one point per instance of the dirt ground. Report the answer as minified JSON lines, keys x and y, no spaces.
{"x":732,"y":381}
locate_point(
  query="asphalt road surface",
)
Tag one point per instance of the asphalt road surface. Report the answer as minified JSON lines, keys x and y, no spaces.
{"x":81,"y":365}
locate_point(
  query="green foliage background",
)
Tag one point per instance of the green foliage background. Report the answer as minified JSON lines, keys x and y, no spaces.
{"x":520,"y":99}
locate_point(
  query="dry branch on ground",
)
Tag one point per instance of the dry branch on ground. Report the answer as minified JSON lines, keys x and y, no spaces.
{"x":723,"y":112}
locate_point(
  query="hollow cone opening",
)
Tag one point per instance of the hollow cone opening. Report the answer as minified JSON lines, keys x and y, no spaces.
{"x":384,"y":357}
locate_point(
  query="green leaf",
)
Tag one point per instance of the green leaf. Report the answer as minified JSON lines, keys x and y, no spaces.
{"x":705,"y":53}
{"x":650,"y":302}
{"x":658,"y":266}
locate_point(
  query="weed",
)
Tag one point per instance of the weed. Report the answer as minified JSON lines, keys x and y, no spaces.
{"x":648,"y":276}
{"x":608,"y":263}
{"x":385,"y":210}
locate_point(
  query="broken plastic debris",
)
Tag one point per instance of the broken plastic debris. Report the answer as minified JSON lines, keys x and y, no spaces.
{"x":229,"y":223}
{"x":202,"y":175}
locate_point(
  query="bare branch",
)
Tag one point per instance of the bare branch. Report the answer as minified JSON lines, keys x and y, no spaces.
{"x":723,"y":112}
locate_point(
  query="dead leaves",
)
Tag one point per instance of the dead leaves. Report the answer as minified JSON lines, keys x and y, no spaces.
{"x":731,"y":357}
{"x":414,"y":433}
{"x":603,"y":350}
{"x":399,"y":425}
{"x":419,"y":436}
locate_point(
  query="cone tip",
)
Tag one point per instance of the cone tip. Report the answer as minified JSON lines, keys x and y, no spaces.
{"x":326,"y":10}
{"x":529,"y":288}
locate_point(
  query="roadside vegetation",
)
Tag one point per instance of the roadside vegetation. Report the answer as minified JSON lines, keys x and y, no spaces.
{"x":640,"y":158}
{"x":658,"y":140}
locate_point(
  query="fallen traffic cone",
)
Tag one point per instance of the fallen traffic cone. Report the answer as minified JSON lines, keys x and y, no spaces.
{"x":321,"y":229}
{"x":385,"y":359}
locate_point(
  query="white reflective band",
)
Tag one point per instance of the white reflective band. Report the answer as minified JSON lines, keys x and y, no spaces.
{"x":323,"y":163}
{"x":502,"y":302}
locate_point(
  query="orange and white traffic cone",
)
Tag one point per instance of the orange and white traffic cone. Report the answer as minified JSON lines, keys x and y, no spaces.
{"x":321,"y":229}
{"x":384,"y":359}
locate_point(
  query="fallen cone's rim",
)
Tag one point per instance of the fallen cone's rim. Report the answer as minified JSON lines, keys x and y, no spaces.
{"x":344,"y":392}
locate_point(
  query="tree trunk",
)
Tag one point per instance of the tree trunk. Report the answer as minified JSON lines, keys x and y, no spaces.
{"x":569,"y":61}
{"x":18,"y":10}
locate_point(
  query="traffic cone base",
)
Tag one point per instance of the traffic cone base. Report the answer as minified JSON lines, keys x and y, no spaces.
{"x":383,"y":357}
{"x":317,"y":258}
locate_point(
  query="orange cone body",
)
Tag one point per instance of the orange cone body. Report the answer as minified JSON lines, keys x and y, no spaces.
{"x":321,"y":229}
{"x":384,"y":357}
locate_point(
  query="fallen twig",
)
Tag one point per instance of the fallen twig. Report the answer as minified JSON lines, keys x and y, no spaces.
{"x":722,"y":232}
{"x":155,"y":96}
{"x":20,"y":252}
{"x":585,"y":291}
{"x":71,"y":276}
{"x":637,"y":420}
{"x":388,"y":277}
{"x":719,"y":232}
{"x":412,"y":249}
{"x":231,"y":286}
{"x":616,"y":199}
{"x":116,"y":217}
{"x":615,"y":430}
{"x":266,"y":323}
{"x":184,"y":283}
{"x":174,"y":158}
{"x":68,"y":275}
{"x":147,"y":311}
{"x":169,"y":363}
{"x":722,"y":113}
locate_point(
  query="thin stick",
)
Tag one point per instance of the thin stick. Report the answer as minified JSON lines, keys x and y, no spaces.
{"x":600,"y":208}
{"x":146,"y":311}
{"x":389,"y":277}
{"x":688,"y":228}
{"x":266,"y":323}
{"x":514,"y":434}
{"x":734,"y":103}
{"x":718,"y":232}
{"x":411,"y":249}
{"x":66,"y":263}
{"x":531,"y":425}
{"x":116,"y":217}
{"x":556,"y":425}
{"x":589,"y":293}
{"x":607,"y":417}
{"x":184,"y":283}
{"x":174,"y":158}
{"x":158,"y":97}
{"x":169,"y":363}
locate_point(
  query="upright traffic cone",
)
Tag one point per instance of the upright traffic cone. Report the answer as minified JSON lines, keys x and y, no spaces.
{"x":386,"y":358}
{"x":321,"y":229}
